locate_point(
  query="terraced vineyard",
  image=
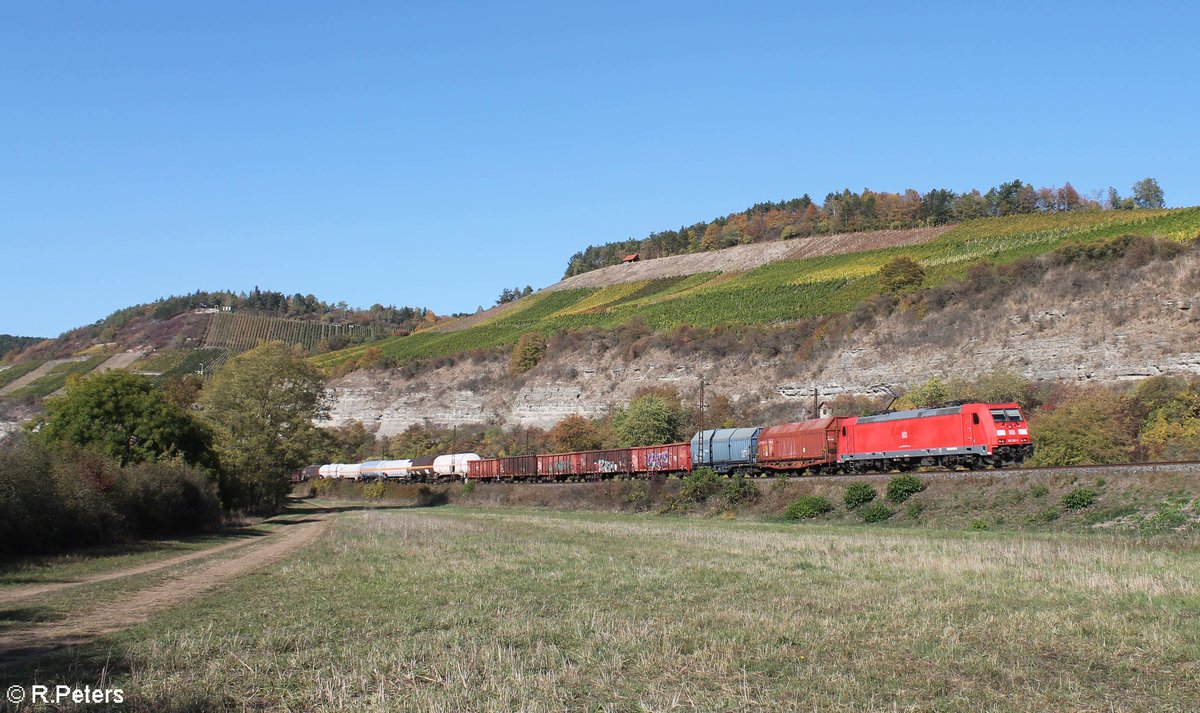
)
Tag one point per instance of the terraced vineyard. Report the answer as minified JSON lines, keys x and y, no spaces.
{"x":785,"y":290}
{"x":177,"y":362}
{"x":58,"y":376}
{"x":16,"y":371}
{"x":240,"y":332}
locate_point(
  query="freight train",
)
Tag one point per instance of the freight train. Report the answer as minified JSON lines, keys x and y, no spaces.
{"x":966,"y":435}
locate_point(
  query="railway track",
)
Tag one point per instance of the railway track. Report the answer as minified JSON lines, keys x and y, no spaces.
{"x":1167,"y":467}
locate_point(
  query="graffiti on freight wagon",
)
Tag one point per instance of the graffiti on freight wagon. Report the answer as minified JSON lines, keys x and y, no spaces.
{"x":607,"y":466}
{"x":658,"y":460}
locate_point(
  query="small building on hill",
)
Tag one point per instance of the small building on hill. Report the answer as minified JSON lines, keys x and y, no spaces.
{"x":632,"y":257}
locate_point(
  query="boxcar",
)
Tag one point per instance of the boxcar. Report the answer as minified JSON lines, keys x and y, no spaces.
{"x":607,"y":463}
{"x":671,"y":458}
{"x":584,"y":464}
{"x":799,"y":446}
{"x":509,"y":467}
{"x":725,"y":449}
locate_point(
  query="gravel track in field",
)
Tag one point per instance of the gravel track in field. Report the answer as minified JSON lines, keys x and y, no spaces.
{"x":139,"y":606}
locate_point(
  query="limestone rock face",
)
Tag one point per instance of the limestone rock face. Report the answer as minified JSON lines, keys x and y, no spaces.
{"x":1104,"y":328}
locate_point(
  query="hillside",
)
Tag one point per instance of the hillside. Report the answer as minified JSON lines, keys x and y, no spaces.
{"x":187,"y":334}
{"x":743,"y":286}
{"x":1119,"y":319}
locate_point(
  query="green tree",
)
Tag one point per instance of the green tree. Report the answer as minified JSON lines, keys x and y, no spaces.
{"x":930,"y":393}
{"x":901,"y":275}
{"x":126,"y":417}
{"x":262,"y":405}
{"x":1148,"y":194}
{"x":650,"y":420}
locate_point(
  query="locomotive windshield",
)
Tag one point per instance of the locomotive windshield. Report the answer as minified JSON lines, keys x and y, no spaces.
{"x":1000,"y":415}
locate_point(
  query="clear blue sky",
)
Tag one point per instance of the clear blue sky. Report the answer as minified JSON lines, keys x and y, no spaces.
{"x":434,"y":153}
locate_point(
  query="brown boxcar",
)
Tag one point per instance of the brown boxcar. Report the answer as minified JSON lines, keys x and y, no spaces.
{"x":795,"y":446}
{"x":612,"y":462}
{"x":670,"y":458}
{"x":511,"y":467}
{"x":584,"y":463}
{"x":560,"y":465}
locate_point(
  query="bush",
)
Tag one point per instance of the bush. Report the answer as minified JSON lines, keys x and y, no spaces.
{"x":61,"y":496}
{"x":468,"y":487}
{"x":1079,"y":498}
{"x":979,"y":525}
{"x":636,"y":494}
{"x":1039,"y":491}
{"x":739,"y":490}
{"x":903,"y":487}
{"x":857,"y":495}
{"x":808,"y":507}
{"x":374,"y":490}
{"x":700,"y":485}
{"x":167,"y":499}
{"x":876,"y":513}
{"x":1172,"y":516}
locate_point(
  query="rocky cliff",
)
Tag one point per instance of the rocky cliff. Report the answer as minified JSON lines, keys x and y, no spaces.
{"x":1104,"y":326}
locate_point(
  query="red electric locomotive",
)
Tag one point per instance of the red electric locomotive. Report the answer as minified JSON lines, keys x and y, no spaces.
{"x":969,"y":435}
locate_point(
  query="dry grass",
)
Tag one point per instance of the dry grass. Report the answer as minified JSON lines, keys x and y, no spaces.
{"x":452,"y":609}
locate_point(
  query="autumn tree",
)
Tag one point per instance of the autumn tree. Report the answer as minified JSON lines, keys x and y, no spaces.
{"x":901,"y":275}
{"x":262,"y":405}
{"x":576,"y":433}
{"x":527,"y":353}
{"x":1094,"y":427}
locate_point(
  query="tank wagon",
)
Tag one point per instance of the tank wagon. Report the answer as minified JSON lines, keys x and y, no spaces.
{"x":969,"y":435}
{"x":427,"y":469}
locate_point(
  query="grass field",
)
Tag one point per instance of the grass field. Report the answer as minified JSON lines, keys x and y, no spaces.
{"x":454,"y":609}
{"x":786,"y":290}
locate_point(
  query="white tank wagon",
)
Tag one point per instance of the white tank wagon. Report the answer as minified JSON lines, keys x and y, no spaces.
{"x":347,"y":471}
{"x":427,"y":469}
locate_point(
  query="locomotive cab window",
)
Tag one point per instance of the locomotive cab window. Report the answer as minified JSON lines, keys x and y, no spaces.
{"x":975,"y":419}
{"x":998,"y":415}
{"x":843,"y":430}
{"x":1013,"y":414}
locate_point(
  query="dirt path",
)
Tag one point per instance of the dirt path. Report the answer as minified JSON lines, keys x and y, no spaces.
{"x":139,"y":606}
{"x":16,"y":594}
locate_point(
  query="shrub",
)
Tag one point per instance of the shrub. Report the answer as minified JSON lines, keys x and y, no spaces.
{"x":1039,"y":491}
{"x":857,"y":495}
{"x":374,"y":490}
{"x":165,"y":499}
{"x":59,"y":497}
{"x":914,"y":510}
{"x":739,"y":490}
{"x":903,"y":487}
{"x":637,"y":494}
{"x":527,"y":352}
{"x":1172,"y":515}
{"x":700,"y":484}
{"x":1079,"y":498}
{"x":876,"y":513}
{"x":808,"y":507}
{"x":979,"y":525}
{"x":468,"y":487}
